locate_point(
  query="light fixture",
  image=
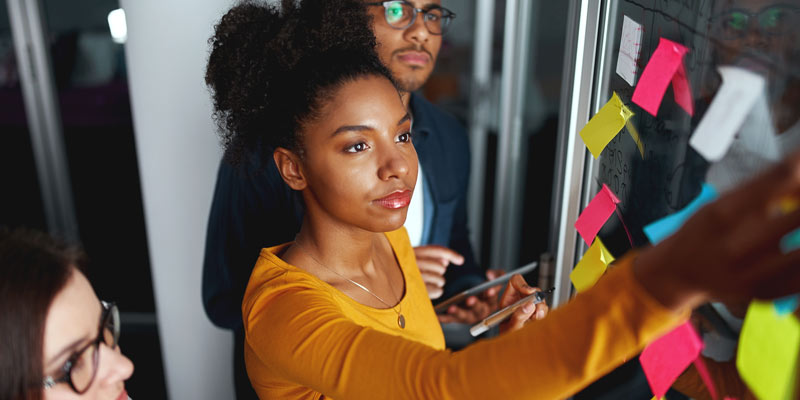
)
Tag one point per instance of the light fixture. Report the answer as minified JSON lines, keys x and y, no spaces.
{"x":118,"y":26}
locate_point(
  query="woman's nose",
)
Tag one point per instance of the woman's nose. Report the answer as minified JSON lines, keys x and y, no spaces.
{"x":393,"y":165}
{"x":113,"y":366}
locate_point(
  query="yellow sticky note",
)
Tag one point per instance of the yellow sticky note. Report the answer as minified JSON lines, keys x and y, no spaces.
{"x":768,"y":351}
{"x":788,"y":204}
{"x":635,"y":135}
{"x":605,"y":125}
{"x":591,"y":267}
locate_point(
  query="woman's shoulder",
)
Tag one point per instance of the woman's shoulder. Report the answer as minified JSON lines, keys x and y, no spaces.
{"x":272,"y":276}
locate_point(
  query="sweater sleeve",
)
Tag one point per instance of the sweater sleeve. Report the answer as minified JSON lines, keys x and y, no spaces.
{"x":300,"y":334}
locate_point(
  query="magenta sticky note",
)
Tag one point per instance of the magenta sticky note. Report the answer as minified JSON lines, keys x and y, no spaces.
{"x":702,"y":370}
{"x":596,"y":214}
{"x":666,"y":358}
{"x":681,"y":90}
{"x":657,"y":75}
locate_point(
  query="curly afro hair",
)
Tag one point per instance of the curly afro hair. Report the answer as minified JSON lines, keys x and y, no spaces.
{"x":272,"y":69}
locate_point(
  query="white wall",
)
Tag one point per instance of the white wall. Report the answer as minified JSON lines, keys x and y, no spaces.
{"x":178,"y":154}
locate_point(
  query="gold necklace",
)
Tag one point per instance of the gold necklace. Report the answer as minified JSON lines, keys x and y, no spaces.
{"x":401,"y":320}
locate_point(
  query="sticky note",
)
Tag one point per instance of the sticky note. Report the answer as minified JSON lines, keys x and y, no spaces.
{"x":661,"y":229}
{"x":666,"y":358}
{"x":591,"y":267}
{"x":665,"y":66}
{"x":768,"y":351}
{"x":636,"y":138}
{"x":791,"y":241}
{"x":605,"y":125}
{"x":702,"y":370}
{"x":787,"y":305}
{"x":596,"y":214}
{"x":629,"y":46}
{"x":739,"y":91}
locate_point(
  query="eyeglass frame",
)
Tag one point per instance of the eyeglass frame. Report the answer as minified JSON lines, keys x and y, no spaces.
{"x":446,"y":14}
{"x":757,"y":14}
{"x":110,"y":314}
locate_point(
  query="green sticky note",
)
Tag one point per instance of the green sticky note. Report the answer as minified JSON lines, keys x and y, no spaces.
{"x":768,"y":350}
{"x":605,"y":125}
{"x":591,"y":267}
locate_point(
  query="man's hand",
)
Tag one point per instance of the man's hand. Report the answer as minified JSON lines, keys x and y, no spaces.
{"x":432,"y":261}
{"x":475,"y":308}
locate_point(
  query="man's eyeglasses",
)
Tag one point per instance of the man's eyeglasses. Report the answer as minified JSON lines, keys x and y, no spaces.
{"x":775,"y":20}
{"x":81,"y":368}
{"x":401,"y":14}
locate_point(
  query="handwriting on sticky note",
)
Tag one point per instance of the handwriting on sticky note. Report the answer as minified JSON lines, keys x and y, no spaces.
{"x":739,"y":91}
{"x":591,"y":267}
{"x":629,"y":46}
{"x":596,"y":214}
{"x":768,"y":351}
{"x":661,"y":229}
{"x":605,"y":125}
{"x":666,"y":358}
{"x":665,"y":66}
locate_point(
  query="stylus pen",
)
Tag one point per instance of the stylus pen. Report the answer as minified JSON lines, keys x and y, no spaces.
{"x":441,"y":307}
{"x":501,"y":315}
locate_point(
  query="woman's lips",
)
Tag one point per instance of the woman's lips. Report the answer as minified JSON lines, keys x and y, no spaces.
{"x":123,"y":395}
{"x":415,"y":58}
{"x":395,"y":200}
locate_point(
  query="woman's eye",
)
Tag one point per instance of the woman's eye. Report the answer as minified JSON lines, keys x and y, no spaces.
{"x":404,"y":138}
{"x":356,"y":148}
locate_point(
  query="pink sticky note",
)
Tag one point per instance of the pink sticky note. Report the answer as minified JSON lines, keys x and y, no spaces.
{"x":666,"y":358}
{"x":681,"y":90}
{"x":662,"y":69}
{"x":596,"y":214}
{"x":705,"y":376}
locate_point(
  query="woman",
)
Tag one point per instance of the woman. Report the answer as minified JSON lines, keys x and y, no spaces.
{"x":57,"y":339}
{"x":342,"y":311}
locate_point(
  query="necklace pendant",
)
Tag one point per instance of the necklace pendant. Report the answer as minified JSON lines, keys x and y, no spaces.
{"x":401,"y":321}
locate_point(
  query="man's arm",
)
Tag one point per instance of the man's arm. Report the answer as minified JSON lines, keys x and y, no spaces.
{"x":247,"y":197}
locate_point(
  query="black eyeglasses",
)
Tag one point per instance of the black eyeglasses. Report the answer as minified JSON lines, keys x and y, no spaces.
{"x":81,"y":368}
{"x":401,"y":14}
{"x":774,"y":20}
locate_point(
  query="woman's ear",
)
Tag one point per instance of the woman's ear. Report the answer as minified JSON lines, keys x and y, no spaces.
{"x":288,"y":164}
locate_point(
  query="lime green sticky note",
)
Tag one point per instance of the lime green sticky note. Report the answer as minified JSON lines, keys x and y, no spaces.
{"x":591,"y":267}
{"x":605,"y":125}
{"x":768,"y":351}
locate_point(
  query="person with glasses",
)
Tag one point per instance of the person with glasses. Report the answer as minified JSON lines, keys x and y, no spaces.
{"x":341,"y":310}
{"x":251,"y":193}
{"x":57,"y":339}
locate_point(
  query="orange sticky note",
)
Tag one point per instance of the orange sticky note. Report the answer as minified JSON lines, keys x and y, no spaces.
{"x":665,"y":66}
{"x":605,"y":125}
{"x":666,"y":358}
{"x":591,"y":267}
{"x":768,"y":351}
{"x":596,"y":214}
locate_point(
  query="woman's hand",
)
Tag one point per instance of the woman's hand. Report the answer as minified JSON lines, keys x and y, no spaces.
{"x":517,"y":289}
{"x":729,"y":251}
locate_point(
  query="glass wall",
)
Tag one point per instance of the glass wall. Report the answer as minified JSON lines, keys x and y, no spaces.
{"x":94,"y":125}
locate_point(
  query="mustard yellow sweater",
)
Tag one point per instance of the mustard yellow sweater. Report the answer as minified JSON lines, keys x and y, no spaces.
{"x":307,"y":340}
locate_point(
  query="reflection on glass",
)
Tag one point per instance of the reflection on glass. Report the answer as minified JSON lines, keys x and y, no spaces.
{"x":21,"y":202}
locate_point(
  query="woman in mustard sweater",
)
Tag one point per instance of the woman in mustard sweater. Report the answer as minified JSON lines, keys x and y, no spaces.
{"x":342,"y":311}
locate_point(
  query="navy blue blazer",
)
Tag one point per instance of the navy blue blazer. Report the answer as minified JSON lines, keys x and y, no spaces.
{"x":253,"y":208}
